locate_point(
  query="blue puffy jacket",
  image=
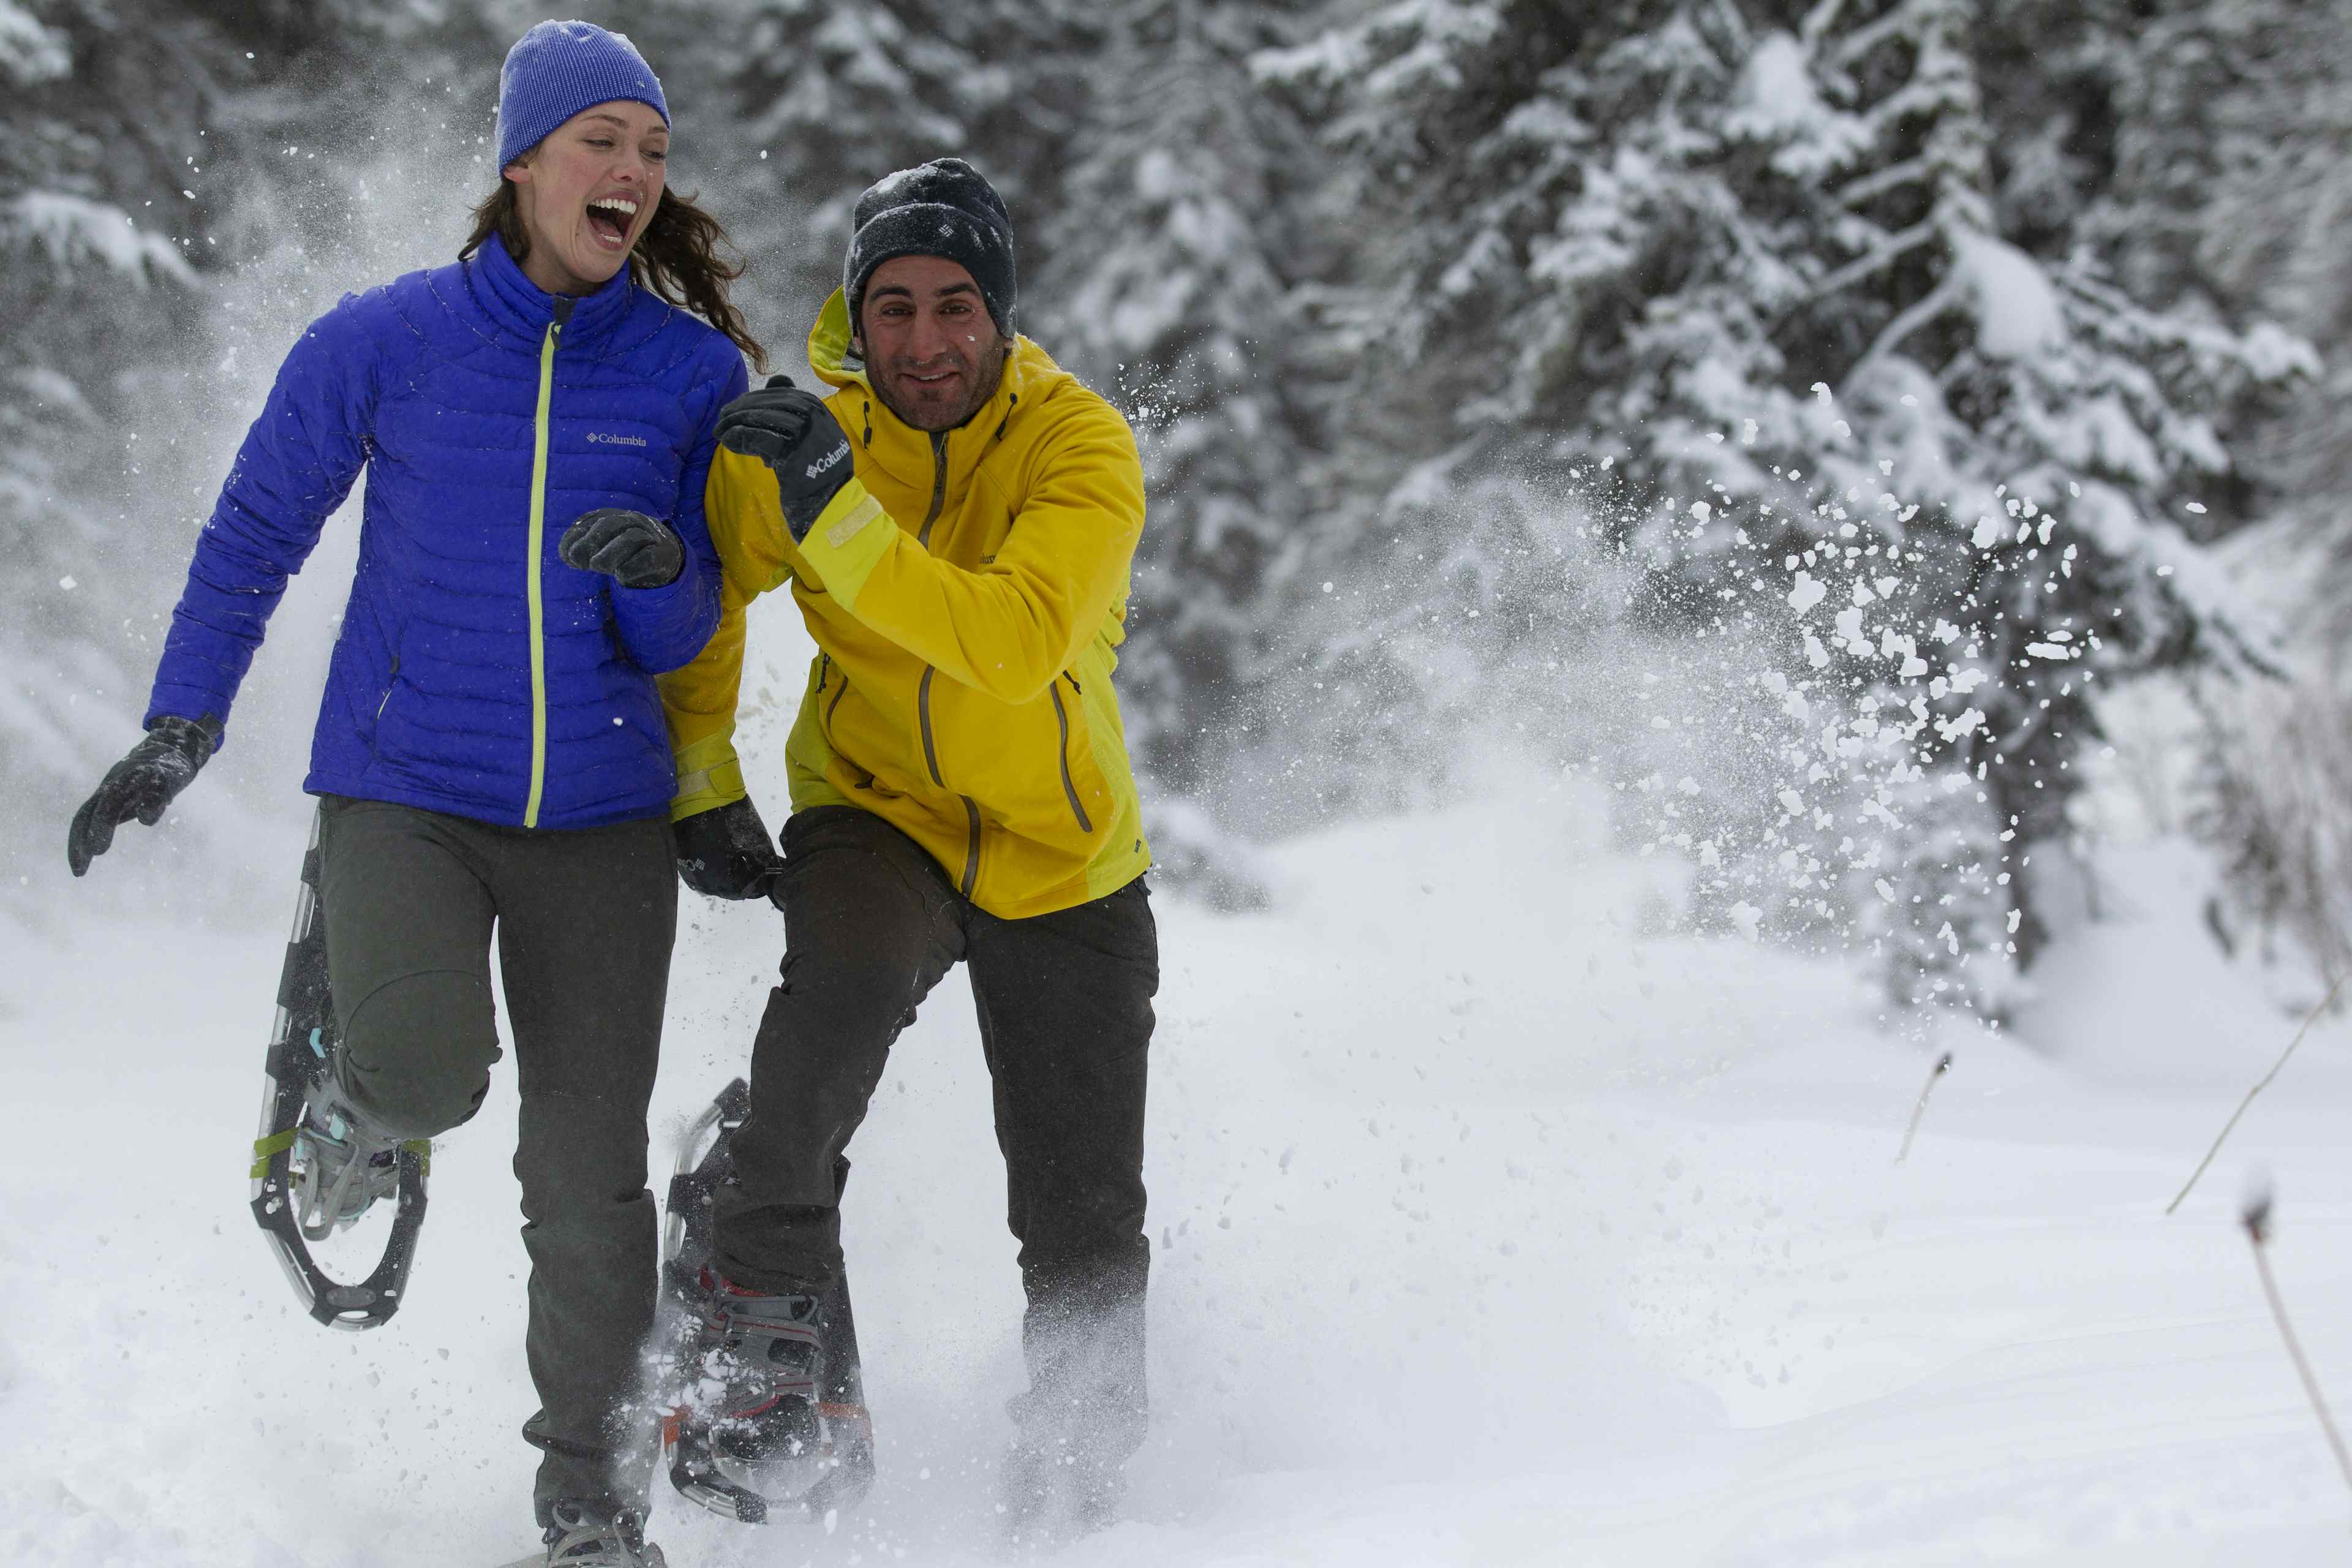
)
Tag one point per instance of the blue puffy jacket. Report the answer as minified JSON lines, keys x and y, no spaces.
{"x":476,"y":673}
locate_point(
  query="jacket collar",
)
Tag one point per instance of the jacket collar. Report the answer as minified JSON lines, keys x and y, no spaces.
{"x":903,"y":451}
{"x":512,"y":300}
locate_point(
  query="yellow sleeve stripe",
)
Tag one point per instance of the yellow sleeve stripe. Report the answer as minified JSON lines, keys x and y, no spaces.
{"x":857,"y":517}
{"x":710,"y":775}
{"x":843,"y":547}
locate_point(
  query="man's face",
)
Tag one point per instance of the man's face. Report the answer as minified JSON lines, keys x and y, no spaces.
{"x":930,"y":348}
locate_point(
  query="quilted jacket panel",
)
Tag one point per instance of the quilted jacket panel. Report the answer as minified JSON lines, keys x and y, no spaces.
{"x":431,"y":386}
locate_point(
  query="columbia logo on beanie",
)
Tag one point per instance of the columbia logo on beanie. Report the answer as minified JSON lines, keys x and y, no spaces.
{"x":945,"y":208}
{"x":559,"y":68}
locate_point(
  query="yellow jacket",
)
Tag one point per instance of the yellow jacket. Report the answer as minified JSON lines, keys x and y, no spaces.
{"x":967,"y":592}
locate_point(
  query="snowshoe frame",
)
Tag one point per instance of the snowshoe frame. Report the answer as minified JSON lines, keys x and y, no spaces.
{"x":295,"y":1071}
{"x":687,"y":1241}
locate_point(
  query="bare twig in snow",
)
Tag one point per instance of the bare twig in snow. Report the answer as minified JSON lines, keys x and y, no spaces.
{"x":2257,"y":1221}
{"x":1943,"y":1065}
{"x":2326,"y":1003}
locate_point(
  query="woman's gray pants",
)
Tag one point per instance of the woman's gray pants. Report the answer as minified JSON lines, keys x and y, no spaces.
{"x":584,"y":919}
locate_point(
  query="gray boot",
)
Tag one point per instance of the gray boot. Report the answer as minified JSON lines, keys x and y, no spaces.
{"x":583,"y":1537}
{"x":1052,"y":1491}
{"x":765,"y":1354}
{"x":337,"y":1168}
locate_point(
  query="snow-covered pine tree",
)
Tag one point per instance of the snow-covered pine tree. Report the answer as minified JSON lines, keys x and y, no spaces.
{"x":170,"y":181}
{"x":96,"y":288}
{"x":2229,"y":151}
{"x":821,"y":98}
{"x":2194,"y":145}
{"x":2227,"y":192}
{"x":1181,"y":229}
{"x":1749,"y":256}
{"x":1434,"y":529}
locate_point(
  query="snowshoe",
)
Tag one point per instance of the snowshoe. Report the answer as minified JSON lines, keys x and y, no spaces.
{"x":767,"y":1409}
{"x":581,"y":1538}
{"x":313,"y":1173}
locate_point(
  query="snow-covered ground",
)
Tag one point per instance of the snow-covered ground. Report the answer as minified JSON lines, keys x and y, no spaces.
{"x":1495,"y":1224}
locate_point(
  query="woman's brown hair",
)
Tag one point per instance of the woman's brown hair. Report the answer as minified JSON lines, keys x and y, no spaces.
{"x":684,"y":257}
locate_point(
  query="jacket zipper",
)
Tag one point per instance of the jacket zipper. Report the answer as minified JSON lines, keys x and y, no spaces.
{"x":938,"y":486}
{"x":535,"y":544}
{"x":1062,"y":720}
{"x":923,"y":691}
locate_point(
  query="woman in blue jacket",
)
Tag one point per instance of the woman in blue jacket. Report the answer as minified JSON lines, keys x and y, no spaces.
{"x":536,"y":424}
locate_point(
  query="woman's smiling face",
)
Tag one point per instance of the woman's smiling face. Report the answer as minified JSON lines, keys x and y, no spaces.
{"x":586,"y":193}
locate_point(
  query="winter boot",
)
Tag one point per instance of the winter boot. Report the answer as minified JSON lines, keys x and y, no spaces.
{"x":760,"y":1361}
{"x":1055,"y":1492}
{"x":337,"y":1169}
{"x":1063,"y":1477}
{"x":585,"y":1536}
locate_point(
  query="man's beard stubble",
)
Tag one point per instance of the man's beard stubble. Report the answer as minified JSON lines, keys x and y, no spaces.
{"x":988,"y":377}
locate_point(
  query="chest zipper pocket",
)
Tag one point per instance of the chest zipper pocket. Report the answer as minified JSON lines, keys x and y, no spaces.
{"x":824,"y":714}
{"x":390,"y":680}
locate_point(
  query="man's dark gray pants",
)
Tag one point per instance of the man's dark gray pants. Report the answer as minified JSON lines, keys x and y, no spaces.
{"x":584,"y":920}
{"x":871,"y":923}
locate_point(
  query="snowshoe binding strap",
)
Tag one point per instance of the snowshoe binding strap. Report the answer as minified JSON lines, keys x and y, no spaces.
{"x":580,"y":1538}
{"x":339,"y":1170}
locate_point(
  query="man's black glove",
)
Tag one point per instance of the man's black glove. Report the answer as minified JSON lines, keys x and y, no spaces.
{"x":727,"y":853}
{"x":796,"y":434}
{"x":627,"y":546}
{"x":142,"y":784}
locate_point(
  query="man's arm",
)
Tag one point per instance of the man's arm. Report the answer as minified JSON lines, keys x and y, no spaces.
{"x":1010,"y":627}
{"x":748,"y":533}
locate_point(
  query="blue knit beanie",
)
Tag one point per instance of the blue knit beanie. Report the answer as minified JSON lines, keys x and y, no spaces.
{"x":559,"y":68}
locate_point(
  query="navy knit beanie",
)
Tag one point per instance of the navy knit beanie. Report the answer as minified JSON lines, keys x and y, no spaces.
{"x":944,"y":208}
{"x":559,"y":68}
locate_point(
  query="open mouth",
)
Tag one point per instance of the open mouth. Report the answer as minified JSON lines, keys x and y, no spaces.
{"x":609,"y":218}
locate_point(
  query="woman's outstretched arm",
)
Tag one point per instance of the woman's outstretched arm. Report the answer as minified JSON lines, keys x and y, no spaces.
{"x":297,"y":463}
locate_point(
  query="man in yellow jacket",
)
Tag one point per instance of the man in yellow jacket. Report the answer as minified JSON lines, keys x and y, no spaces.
{"x":957,"y":521}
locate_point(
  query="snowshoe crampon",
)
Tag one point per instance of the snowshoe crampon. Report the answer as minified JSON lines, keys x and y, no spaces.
{"x":294,"y":1077}
{"x":825,"y":1475}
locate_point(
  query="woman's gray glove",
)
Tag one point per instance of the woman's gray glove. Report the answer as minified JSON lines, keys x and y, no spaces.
{"x":629,"y":547}
{"x":142,"y":784}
